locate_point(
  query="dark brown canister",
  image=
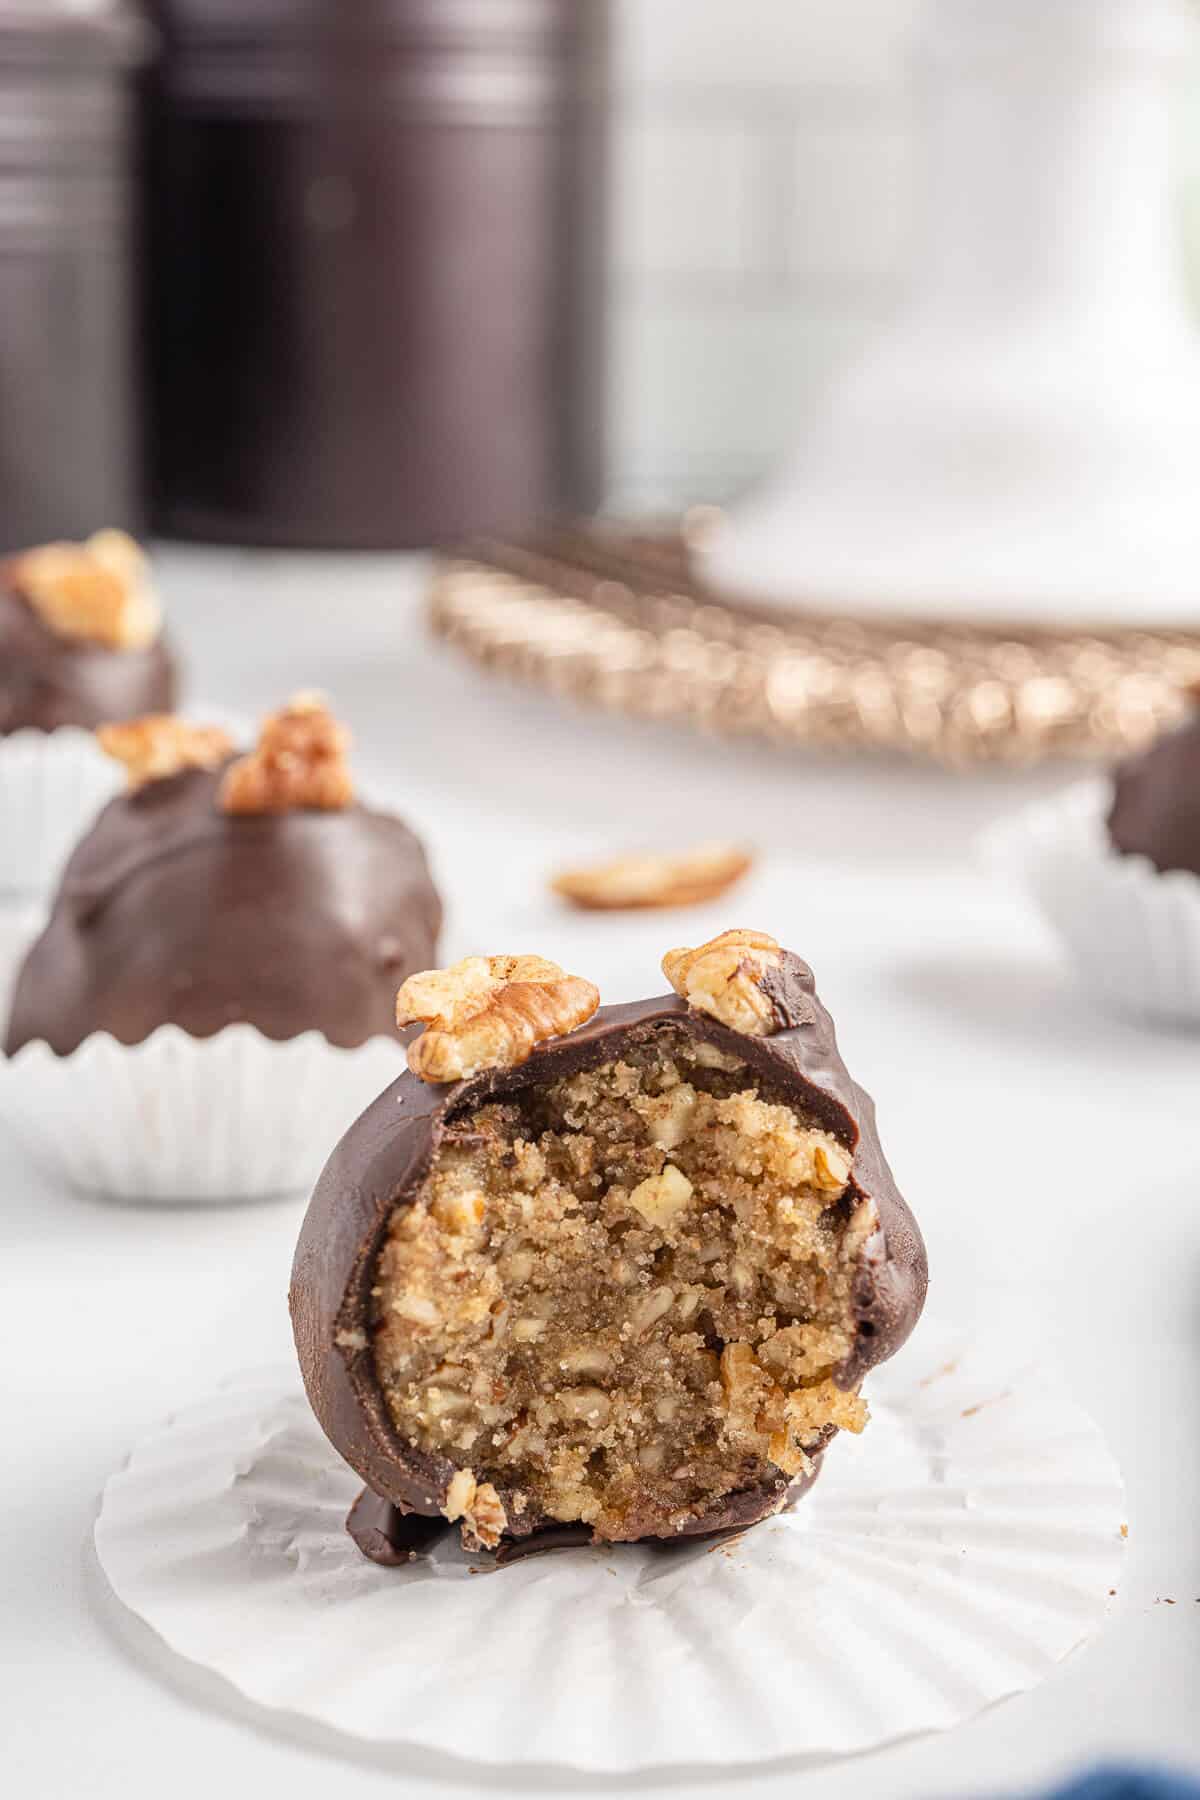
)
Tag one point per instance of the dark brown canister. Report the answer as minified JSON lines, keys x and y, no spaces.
{"x":68,"y":452}
{"x":375,"y":224}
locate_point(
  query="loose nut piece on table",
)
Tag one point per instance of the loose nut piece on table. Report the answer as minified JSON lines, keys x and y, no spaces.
{"x":159,"y":744}
{"x":488,"y":1012}
{"x":99,"y":591}
{"x":684,"y":879}
{"x":725,"y":978}
{"x":299,"y":763}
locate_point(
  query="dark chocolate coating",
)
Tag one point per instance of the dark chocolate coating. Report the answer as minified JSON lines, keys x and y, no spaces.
{"x":172,"y":912}
{"x":388,"y":1536}
{"x":47,"y":681}
{"x":385,"y":1535}
{"x":384,"y":1158}
{"x":1156,"y":801}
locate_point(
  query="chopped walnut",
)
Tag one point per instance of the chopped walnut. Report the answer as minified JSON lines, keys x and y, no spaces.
{"x":686,"y":879}
{"x":479,"y":1507}
{"x":785,"y":1427}
{"x":488,"y":1012}
{"x":748,"y":1391}
{"x":99,"y":591}
{"x":724,"y":978}
{"x":660,"y":1197}
{"x":300,"y":762}
{"x":158,"y":745}
{"x":832,"y":1164}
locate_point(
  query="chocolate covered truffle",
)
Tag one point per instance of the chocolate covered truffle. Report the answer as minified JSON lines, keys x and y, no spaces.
{"x":80,"y":637}
{"x":602,"y":1275}
{"x":220,"y":889}
{"x":1156,"y":801}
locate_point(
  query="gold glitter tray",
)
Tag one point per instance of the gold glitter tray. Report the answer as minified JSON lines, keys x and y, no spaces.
{"x":613,"y":618}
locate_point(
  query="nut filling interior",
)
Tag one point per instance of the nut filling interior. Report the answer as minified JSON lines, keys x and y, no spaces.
{"x":623,"y":1295}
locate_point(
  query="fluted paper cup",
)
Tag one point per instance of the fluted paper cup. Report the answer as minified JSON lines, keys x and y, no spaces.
{"x":233,"y":1117}
{"x":1132,"y":933}
{"x":52,"y":785}
{"x":952,"y":1555}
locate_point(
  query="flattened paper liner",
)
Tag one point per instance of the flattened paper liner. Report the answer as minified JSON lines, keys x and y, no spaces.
{"x":949,"y":1557}
{"x":237,"y":1116}
{"x":1132,"y":933}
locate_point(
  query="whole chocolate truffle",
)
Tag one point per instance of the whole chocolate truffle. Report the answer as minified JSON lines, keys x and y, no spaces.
{"x":624,"y":1289}
{"x":176,"y":910}
{"x":1156,"y":801}
{"x":55,"y":671}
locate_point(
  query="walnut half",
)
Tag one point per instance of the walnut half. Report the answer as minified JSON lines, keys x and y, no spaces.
{"x":99,"y":591}
{"x":488,"y":1012}
{"x":725,"y":979}
{"x":159,"y":744}
{"x":299,"y":763}
{"x":684,"y":879}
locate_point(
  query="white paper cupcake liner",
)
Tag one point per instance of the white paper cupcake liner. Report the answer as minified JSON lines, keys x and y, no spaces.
{"x":176,"y":1118}
{"x":1132,"y":933}
{"x":951,"y":1556}
{"x":52,"y":785}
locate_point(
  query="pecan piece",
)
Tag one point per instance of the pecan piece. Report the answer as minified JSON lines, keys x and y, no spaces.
{"x":725,"y":979}
{"x":299,"y":762}
{"x":488,"y":1012}
{"x":159,"y":744}
{"x":99,"y":591}
{"x":684,"y":879}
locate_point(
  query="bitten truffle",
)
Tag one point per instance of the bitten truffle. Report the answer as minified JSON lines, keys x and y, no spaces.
{"x":622,"y":1283}
{"x":80,"y":637}
{"x":220,"y":890}
{"x":1156,"y":801}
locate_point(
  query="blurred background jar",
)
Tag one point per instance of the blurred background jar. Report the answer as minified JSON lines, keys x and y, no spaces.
{"x":376,"y":267}
{"x":68,"y":394}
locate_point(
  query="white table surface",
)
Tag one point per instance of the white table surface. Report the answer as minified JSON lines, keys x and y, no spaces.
{"x":1051,"y":1152}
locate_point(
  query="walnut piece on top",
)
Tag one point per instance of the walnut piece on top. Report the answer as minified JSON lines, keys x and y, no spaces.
{"x":686,"y":878}
{"x":299,"y":763}
{"x":160,"y":744}
{"x":488,"y":1012}
{"x":725,"y":979}
{"x":99,"y":591}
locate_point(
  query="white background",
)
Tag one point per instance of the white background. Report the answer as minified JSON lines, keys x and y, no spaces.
{"x":766,"y":223}
{"x":1051,"y":1153}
